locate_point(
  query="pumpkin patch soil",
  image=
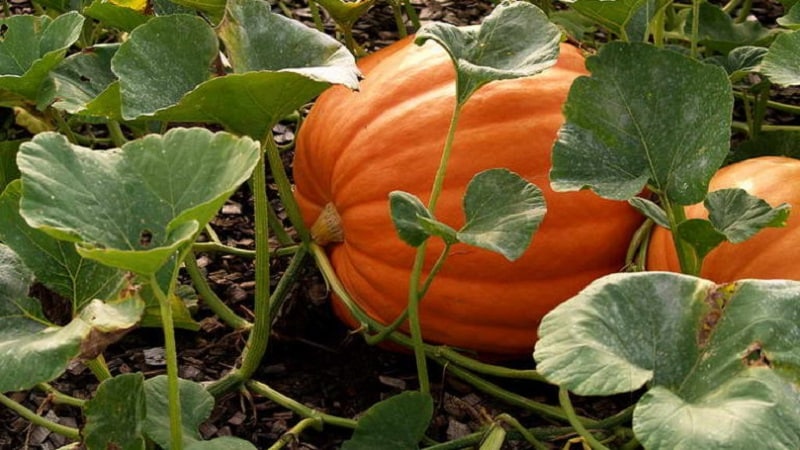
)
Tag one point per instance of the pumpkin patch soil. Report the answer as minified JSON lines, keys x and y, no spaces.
{"x":312,"y":357}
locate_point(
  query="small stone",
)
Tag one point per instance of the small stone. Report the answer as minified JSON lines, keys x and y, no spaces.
{"x":155,"y":356}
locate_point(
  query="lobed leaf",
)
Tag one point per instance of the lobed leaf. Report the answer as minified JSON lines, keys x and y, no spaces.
{"x":55,"y":263}
{"x":158,"y":65}
{"x":515,"y":40}
{"x":502,"y":210}
{"x":663,"y":122}
{"x":30,"y":48}
{"x":132,"y":207}
{"x":716,"y":357}
{"x":164,"y":76}
{"x":739,"y":215}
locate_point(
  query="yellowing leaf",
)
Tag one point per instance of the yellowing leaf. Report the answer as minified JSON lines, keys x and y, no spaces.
{"x":136,"y":5}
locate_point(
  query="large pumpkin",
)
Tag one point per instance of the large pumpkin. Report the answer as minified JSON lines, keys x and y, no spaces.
{"x":770,"y":254}
{"x":356,"y":147}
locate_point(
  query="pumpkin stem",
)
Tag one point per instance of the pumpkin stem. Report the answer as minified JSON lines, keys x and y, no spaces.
{"x":328,"y":226}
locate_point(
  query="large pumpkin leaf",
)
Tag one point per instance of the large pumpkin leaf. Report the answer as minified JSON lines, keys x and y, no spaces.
{"x":717,"y":357}
{"x":503,"y":210}
{"x":158,"y":65}
{"x":132,"y":207}
{"x":55,"y":263}
{"x":115,"y":415}
{"x":269,"y":81}
{"x":782,"y":62}
{"x":30,"y":47}
{"x":32,"y":349}
{"x":397,"y":423}
{"x":664,"y":122}
{"x":515,"y":40}
{"x":79,"y":79}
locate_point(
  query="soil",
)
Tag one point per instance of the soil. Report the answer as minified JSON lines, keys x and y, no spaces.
{"x":312,"y":357}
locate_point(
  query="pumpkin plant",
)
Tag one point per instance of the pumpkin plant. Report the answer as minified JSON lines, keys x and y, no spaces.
{"x":355,"y":148}
{"x":767,"y":255}
{"x":104,"y":203}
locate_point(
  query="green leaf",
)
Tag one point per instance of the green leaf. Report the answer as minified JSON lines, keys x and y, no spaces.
{"x":502,"y":210}
{"x":623,"y":331}
{"x":637,"y":28}
{"x":719,"y":31}
{"x":740,"y":215}
{"x":651,"y":210}
{"x":158,"y":65}
{"x":612,"y":15}
{"x":222,"y":443}
{"x":30,"y":48}
{"x":629,"y":125}
{"x":792,"y":18}
{"x":745,"y":412}
{"x":170,"y":186}
{"x":782,"y":62}
{"x":115,"y":415}
{"x":257,"y":39}
{"x":196,"y":407}
{"x":701,"y":235}
{"x":346,"y":13}
{"x":741,"y":61}
{"x":573,"y":24}
{"x":8,"y":161}
{"x":397,"y":423}
{"x":406,"y":211}
{"x":55,"y":263}
{"x":250,"y":101}
{"x":112,"y":15}
{"x":35,"y":351}
{"x":721,"y":361}
{"x":515,"y":40}
{"x":79,"y":79}
{"x":214,"y":8}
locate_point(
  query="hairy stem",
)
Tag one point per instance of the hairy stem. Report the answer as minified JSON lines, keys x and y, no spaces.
{"x":171,"y":353}
{"x":566,"y":404}
{"x":210,"y":298}
{"x":30,"y":416}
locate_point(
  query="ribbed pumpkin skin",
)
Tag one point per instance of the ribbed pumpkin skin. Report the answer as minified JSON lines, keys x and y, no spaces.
{"x":770,"y":254}
{"x":356,"y":147}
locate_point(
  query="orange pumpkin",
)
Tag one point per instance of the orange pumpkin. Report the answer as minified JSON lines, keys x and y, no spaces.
{"x":356,"y":147}
{"x":767,"y":255}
